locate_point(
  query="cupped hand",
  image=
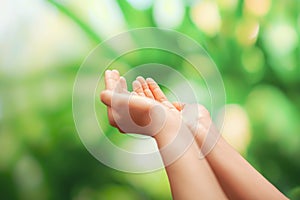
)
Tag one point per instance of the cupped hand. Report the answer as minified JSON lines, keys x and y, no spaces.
{"x":134,"y":113}
{"x":195,"y":116}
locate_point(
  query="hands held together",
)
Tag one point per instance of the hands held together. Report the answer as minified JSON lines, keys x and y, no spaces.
{"x":222,"y":174}
{"x":146,"y":110}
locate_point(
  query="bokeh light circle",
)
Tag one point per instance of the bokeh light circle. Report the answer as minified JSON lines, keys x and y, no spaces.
{"x":85,"y":94}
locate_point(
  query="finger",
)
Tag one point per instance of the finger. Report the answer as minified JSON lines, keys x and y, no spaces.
{"x":116,"y":73}
{"x":111,"y":79}
{"x":124,"y":99}
{"x":108,"y":80}
{"x":123,"y":83}
{"x":156,"y":91}
{"x":121,"y":86}
{"x":178,"y":105}
{"x":106,"y":97}
{"x":145,"y":87}
{"x":137,"y":87}
{"x":116,"y":77}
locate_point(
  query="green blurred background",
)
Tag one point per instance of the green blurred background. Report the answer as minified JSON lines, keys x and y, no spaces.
{"x":255,"y":44}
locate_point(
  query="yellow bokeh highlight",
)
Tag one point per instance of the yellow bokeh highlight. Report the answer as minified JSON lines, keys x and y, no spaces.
{"x":206,"y":17}
{"x":247,"y":32}
{"x":258,"y":7}
{"x":236,"y":127}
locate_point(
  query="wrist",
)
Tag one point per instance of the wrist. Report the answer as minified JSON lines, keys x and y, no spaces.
{"x":169,"y":132}
{"x":174,"y":144}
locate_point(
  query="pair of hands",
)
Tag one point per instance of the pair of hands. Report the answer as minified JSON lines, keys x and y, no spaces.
{"x":146,"y":110}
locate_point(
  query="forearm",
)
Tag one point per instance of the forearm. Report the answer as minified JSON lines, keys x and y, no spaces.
{"x":189,"y":176}
{"x":237,"y":177}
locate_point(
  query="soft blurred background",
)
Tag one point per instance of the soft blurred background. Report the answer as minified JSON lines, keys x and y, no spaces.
{"x":255,"y":44}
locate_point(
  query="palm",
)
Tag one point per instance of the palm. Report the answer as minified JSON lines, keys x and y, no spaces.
{"x":134,"y":112}
{"x":195,"y":116}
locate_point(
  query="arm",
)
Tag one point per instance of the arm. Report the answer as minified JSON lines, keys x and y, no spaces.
{"x":190,"y":178}
{"x":237,"y":177}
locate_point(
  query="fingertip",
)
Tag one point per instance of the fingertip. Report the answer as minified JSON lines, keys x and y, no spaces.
{"x":142,"y":81}
{"x":123,"y":81}
{"x":115,"y":74}
{"x":115,"y":71}
{"x":151,"y":83}
{"x":149,"y":80}
{"x":139,"y":77}
{"x":107,"y":72}
{"x":123,"y":84}
{"x":136,"y":84}
{"x":178,"y":105}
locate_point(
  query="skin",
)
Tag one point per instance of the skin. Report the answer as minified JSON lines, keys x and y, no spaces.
{"x":189,"y":176}
{"x":237,"y":177}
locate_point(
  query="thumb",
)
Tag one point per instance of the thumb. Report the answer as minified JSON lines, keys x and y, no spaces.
{"x":131,"y":100}
{"x":106,"y":97}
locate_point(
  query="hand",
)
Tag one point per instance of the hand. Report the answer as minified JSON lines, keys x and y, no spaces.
{"x":132,"y":113}
{"x":196,"y":117}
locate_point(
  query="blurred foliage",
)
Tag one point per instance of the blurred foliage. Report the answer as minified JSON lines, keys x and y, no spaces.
{"x":255,"y":44}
